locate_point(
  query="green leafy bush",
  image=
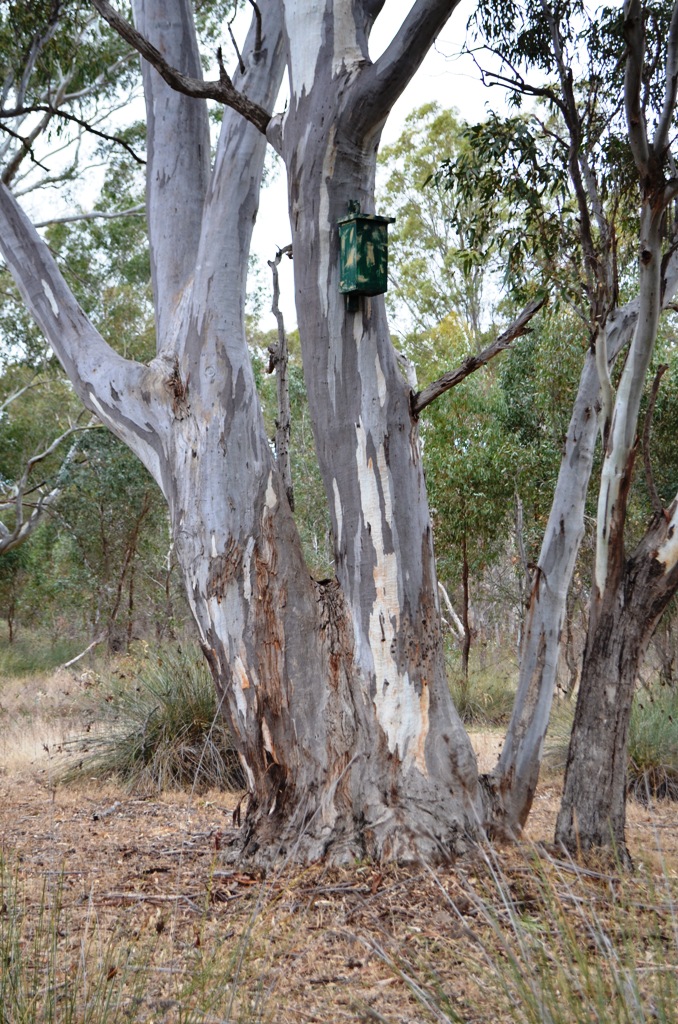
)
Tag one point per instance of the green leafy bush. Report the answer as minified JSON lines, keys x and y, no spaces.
{"x":161,"y":730}
{"x":34,"y":652}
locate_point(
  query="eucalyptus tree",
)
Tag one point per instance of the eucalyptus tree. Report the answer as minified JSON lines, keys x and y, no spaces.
{"x":335,"y":690}
{"x":631,"y":590}
{"x":571,"y":169}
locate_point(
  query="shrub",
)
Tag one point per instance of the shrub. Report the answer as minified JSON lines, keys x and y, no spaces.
{"x":162,"y":730}
{"x":34,"y":652}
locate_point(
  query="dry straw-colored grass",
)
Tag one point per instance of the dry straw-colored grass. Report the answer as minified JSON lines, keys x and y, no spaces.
{"x":117,"y":907}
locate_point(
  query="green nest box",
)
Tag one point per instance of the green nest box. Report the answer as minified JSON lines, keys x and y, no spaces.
{"x":363,"y":239}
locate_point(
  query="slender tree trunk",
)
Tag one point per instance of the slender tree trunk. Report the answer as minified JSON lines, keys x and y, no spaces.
{"x":130,"y":606}
{"x":629,"y":595}
{"x":593,"y":809}
{"x":466,"y":645}
{"x":11,"y":612}
{"x":512,"y":784}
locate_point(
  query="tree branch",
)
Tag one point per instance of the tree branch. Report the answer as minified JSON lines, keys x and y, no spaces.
{"x":661,"y":135}
{"x":634,"y":32}
{"x":73,"y":118}
{"x":473,"y":363}
{"x":657,"y":506}
{"x":222,"y":90}
{"x":257,"y":41}
{"x":127,"y":396}
{"x":381,"y":83}
{"x":94,"y":215}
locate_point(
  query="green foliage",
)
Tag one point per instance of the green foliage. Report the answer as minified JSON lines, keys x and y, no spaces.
{"x":160,"y":730}
{"x":563,"y":168}
{"x":469,"y":475}
{"x":35,"y":652}
{"x":73,"y":43}
{"x":439,"y":252}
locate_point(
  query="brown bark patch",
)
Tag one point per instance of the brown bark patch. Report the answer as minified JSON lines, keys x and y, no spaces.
{"x":223,"y":569}
{"x":178,"y":388}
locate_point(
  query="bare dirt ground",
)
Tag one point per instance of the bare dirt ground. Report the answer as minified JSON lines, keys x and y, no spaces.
{"x":143,"y":894}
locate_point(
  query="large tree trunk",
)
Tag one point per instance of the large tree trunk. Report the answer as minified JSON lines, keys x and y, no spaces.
{"x":336,"y":692}
{"x":408,"y":772}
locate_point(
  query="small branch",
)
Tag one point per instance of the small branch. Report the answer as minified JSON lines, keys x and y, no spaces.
{"x":17,"y":394}
{"x":100,"y":639}
{"x":241,"y":62}
{"x":657,"y":506}
{"x":94,"y":215}
{"x":223,"y":91}
{"x":450,"y":380}
{"x":257,"y":41}
{"x":278,"y":363}
{"x":26,"y":144}
{"x":456,"y":621}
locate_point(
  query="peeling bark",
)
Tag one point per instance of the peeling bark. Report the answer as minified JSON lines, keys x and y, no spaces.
{"x":335,"y":692}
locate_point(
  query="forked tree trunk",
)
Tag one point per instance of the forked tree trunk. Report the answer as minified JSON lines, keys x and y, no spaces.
{"x":629,"y":595}
{"x":336,"y":692}
{"x":512,"y":784}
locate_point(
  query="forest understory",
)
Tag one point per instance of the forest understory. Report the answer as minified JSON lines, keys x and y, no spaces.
{"x":118,"y":906}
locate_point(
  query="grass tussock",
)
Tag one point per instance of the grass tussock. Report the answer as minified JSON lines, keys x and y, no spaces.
{"x":49,"y":975}
{"x":653,"y":745}
{"x":485,"y":699}
{"x":157,"y":727}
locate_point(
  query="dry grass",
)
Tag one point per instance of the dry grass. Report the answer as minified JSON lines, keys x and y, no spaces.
{"x":119,"y":908}
{"x":38,"y":715}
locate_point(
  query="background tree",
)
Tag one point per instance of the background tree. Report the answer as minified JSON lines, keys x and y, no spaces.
{"x":582,"y":140}
{"x":440,"y":254}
